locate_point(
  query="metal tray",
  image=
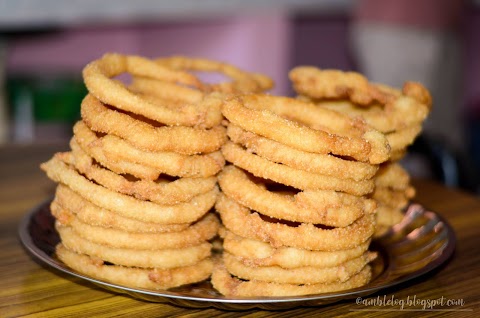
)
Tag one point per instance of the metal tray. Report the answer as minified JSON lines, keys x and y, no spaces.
{"x":414,"y":247}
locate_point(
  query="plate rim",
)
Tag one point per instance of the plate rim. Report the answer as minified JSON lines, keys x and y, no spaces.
{"x":28,"y":243}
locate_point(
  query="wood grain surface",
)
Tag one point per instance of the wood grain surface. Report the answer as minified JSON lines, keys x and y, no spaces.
{"x":30,"y":289}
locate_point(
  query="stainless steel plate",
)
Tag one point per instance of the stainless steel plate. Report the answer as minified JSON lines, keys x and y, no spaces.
{"x":419,"y":244}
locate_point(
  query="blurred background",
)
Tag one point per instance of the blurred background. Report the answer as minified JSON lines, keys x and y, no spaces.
{"x":45,"y":44}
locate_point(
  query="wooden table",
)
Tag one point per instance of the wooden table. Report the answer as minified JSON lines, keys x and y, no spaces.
{"x":30,"y":289}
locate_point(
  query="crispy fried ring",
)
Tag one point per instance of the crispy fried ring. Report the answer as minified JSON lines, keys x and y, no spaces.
{"x":227,"y":285}
{"x":304,"y":180}
{"x":125,"y":205}
{"x":145,"y":136}
{"x":334,"y":200}
{"x":117,"y":166}
{"x":160,"y":191}
{"x":241,"y":221}
{"x":300,"y":275}
{"x":161,"y":258}
{"x":199,"y":232}
{"x":396,"y":199}
{"x":398,"y":155}
{"x":307,"y":127}
{"x":155,"y":278}
{"x":236,"y":184}
{"x":170,"y":163}
{"x":318,"y":163}
{"x":166,"y":90}
{"x":94,"y":215}
{"x":242,"y":82}
{"x":392,"y":175}
{"x":333,"y":84}
{"x":387,"y":217}
{"x":317,"y":83}
{"x":98,"y":79}
{"x":257,"y":253}
{"x":401,"y":139}
{"x":397,"y":115}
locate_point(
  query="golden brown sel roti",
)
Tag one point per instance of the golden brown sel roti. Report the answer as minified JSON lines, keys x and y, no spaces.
{"x":386,"y":218}
{"x":231,"y":286}
{"x":396,"y":199}
{"x":333,"y":84}
{"x":293,"y":196}
{"x":307,"y":127}
{"x":92,"y":214}
{"x":243,"y":222}
{"x":162,"y":191}
{"x":125,"y":205}
{"x":197,"y":233}
{"x":143,"y":258}
{"x":148,"y":278}
{"x":392,"y":175}
{"x":324,"y":164}
{"x":336,"y":209}
{"x":240,"y":81}
{"x":283,"y":174}
{"x":298,"y":275}
{"x":116,"y":149}
{"x":256,"y":253}
{"x":98,"y":77}
{"x":134,"y":193}
{"x":148,"y":135}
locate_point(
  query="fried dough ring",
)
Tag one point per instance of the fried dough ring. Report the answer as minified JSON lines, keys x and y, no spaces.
{"x":318,"y":163}
{"x":94,"y":215}
{"x":117,"y":166}
{"x":396,"y":199}
{"x":334,"y":84}
{"x":166,"y":90}
{"x":304,"y":180}
{"x":199,"y":232}
{"x":170,"y":163}
{"x":300,"y":275}
{"x":256,"y":253}
{"x":392,"y":175}
{"x":241,"y":221}
{"x":236,"y":184}
{"x":307,"y":127}
{"x":155,"y":278}
{"x":160,"y":258}
{"x":401,"y":139}
{"x":387,"y":216}
{"x":145,"y":136}
{"x":242,"y":82}
{"x":400,"y":114}
{"x":334,"y":200}
{"x":230,"y":286}
{"x":125,"y":205}
{"x":98,"y":79}
{"x":159,"y":191}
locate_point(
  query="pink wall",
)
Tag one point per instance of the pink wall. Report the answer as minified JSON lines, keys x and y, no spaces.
{"x":259,"y":44}
{"x":472,"y":65}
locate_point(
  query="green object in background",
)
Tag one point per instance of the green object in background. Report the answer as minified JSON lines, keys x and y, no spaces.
{"x":54,"y":98}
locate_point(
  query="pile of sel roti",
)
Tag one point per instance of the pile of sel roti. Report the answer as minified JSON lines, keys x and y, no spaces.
{"x":294,"y":189}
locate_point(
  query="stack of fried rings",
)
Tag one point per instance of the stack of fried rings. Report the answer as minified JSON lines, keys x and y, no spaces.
{"x":299,"y":193}
{"x":135,"y":193}
{"x":295,"y":214}
{"x":398,"y":114}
